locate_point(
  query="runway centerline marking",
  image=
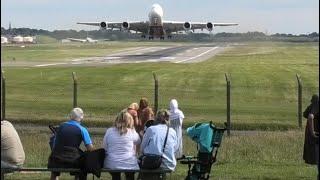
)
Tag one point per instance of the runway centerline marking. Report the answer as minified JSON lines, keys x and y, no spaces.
{"x":197,"y":55}
{"x":53,"y":64}
{"x":111,"y":57}
{"x":125,"y":52}
{"x":168,"y":57}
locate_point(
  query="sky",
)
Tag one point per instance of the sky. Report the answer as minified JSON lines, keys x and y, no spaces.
{"x":268,"y":16}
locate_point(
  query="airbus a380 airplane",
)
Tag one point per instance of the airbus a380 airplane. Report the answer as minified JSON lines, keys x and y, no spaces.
{"x":156,"y":27}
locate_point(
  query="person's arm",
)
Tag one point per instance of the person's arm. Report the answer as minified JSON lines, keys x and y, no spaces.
{"x":136,"y":141}
{"x":136,"y":121}
{"x":150,"y":114}
{"x":89,"y":147}
{"x":86,"y":139}
{"x":104,"y":142}
{"x":307,"y":111}
{"x":145,"y":139}
{"x":311,"y":125}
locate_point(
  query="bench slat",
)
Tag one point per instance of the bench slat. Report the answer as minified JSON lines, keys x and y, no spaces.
{"x":5,"y":170}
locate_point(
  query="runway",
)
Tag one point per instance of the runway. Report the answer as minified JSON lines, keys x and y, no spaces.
{"x":174,"y":54}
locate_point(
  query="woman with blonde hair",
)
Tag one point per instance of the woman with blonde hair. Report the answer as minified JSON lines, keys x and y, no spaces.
{"x":120,"y":143}
{"x":133,"y":111}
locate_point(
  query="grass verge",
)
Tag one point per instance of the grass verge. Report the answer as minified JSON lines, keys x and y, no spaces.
{"x":256,"y":155}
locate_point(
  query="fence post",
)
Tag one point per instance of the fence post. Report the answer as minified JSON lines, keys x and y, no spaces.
{"x":3,"y":96}
{"x":75,"y":89}
{"x":299,"y":101}
{"x":228,"y":105}
{"x":156,"y":92}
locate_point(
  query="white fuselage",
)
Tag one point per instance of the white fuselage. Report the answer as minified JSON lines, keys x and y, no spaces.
{"x":155,"y":21}
{"x":89,"y":39}
{"x":155,"y":15}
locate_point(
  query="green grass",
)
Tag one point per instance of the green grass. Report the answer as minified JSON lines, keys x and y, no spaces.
{"x":257,"y":155}
{"x":43,"y":39}
{"x":49,"y":50}
{"x":54,"y":52}
{"x":263,"y":86}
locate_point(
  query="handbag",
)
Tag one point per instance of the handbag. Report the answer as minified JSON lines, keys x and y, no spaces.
{"x":153,"y":161}
{"x":67,"y":154}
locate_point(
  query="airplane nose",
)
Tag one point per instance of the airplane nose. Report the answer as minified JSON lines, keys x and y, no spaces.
{"x":156,"y":12}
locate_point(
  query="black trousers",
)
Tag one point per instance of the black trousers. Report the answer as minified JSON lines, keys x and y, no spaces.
{"x":117,"y":176}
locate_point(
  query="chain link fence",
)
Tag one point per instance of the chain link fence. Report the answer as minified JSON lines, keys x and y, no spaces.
{"x":47,"y":99}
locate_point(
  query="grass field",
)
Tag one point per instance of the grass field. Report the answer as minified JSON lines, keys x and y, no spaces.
{"x":263,"y":86}
{"x":263,"y":97}
{"x":53,"y":52}
{"x":257,"y":155}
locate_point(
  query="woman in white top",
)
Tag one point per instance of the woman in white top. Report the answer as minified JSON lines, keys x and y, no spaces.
{"x":176,"y":118}
{"x":120,"y":143}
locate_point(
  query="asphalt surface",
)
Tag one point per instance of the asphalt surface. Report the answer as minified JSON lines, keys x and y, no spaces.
{"x":175,"y":54}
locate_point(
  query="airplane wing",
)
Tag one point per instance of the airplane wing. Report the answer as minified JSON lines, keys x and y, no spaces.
{"x":76,"y":40}
{"x":225,"y":24}
{"x":90,"y":23}
{"x":139,"y":26}
{"x":175,"y":26}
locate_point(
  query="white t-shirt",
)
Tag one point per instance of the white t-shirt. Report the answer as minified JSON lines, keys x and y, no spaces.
{"x":120,"y":150}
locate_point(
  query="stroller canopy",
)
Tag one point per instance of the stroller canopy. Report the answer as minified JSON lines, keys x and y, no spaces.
{"x":202,"y":133}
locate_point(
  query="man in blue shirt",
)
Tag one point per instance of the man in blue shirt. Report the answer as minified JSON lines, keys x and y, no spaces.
{"x":66,"y":150}
{"x":154,"y":137}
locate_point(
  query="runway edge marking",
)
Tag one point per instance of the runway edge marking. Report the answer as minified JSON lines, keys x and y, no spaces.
{"x":197,"y":55}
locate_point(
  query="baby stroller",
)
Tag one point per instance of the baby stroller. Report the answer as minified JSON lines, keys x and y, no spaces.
{"x":208,"y":138}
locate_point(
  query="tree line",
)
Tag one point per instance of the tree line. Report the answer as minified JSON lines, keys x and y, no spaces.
{"x":121,"y":35}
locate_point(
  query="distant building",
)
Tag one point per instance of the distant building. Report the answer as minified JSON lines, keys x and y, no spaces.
{"x":4,"y":40}
{"x":65,"y":41}
{"x":28,"y":39}
{"x":17,"y":39}
{"x":20,"y":39}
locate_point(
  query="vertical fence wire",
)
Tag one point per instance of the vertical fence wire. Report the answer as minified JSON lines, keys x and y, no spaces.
{"x":3,"y":96}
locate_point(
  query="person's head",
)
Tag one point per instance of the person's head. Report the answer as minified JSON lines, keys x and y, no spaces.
{"x":76,"y":114}
{"x":134,"y":106}
{"x":173,"y":105}
{"x":133,"y":109}
{"x":315,"y":104}
{"x":123,"y":121}
{"x":315,"y":99}
{"x":162,"y":117}
{"x":143,"y":103}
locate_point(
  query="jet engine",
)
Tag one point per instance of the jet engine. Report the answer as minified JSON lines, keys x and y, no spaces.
{"x":187,"y":26}
{"x":209,"y":26}
{"x":103,"y":25}
{"x":125,"y":25}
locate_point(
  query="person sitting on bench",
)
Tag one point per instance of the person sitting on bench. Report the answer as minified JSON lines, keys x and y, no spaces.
{"x":12,"y":153}
{"x":120,"y":143}
{"x":154,"y":142}
{"x":66,"y":152}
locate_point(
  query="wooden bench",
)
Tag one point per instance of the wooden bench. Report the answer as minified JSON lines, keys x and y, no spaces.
{"x":148,"y":174}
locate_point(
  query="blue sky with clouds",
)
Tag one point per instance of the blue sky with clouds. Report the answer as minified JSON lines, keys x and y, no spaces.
{"x":271,"y":16}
